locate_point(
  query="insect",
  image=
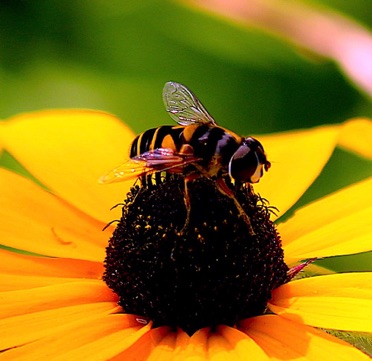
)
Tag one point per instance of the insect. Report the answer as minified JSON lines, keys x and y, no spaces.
{"x":195,"y":147}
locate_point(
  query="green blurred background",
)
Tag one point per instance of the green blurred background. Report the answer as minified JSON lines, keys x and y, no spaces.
{"x":117,"y":55}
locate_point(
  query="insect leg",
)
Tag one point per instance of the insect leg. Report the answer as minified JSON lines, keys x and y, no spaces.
{"x":224,"y":189}
{"x":158,"y":178}
{"x":186,"y":198}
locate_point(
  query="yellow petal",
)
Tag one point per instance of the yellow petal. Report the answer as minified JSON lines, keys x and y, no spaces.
{"x":245,"y":348}
{"x":18,"y":264}
{"x":356,"y":136}
{"x":23,"y":272}
{"x":174,"y":346}
{"x":98,"y":339}
{"x":165,"y":349}
{"x":334,"y":225}
{"x":181,"y":346}
{"x":286,"y":340}
{"x":19,"y":302}
{"x":339,"y":301}
{"x":225,"y":343}
{"x":297,"y":159}
{"x":197,"y":347}
{"x":219,"y":349}
{"x":37,"y":221}
{"x":142,"y":348}
{"x":68,"y":150}
{"x":22,"y":329}
{"x":13,"y":283}
{"x":104,"y":344}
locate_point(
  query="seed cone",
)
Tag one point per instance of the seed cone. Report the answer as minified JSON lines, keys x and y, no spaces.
{"x":212,"y":272}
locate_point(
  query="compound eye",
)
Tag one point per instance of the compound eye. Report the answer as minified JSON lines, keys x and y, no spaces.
{"x":245,"y":166}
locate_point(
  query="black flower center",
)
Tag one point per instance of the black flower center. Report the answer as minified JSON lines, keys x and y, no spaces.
{"x":213,"y":272}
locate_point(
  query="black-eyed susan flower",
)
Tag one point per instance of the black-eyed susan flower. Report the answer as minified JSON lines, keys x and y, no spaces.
{"x":55,"y":304}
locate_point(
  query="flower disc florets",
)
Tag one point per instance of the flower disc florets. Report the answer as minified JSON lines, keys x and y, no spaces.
{"x":212,"y":272}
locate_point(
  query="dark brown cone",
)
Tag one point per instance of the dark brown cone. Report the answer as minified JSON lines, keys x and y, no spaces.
{"x":215,"y":272}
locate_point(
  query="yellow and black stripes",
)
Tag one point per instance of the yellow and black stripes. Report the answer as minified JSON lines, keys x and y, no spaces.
{"x":206,"y":141}
{"x":166,"y":136}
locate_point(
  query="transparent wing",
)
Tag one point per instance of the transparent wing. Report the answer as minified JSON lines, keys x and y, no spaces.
{"x":183,"y":106}
{"x":153,"y":161}
{"x":131,"y":169}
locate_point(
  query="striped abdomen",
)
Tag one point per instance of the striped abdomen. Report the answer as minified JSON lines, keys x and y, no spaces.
{"x":166,"y":136}
{"x":207,"y":141}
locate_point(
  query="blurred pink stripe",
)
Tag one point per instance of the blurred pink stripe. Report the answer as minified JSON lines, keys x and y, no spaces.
{"x":319,"y":30}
